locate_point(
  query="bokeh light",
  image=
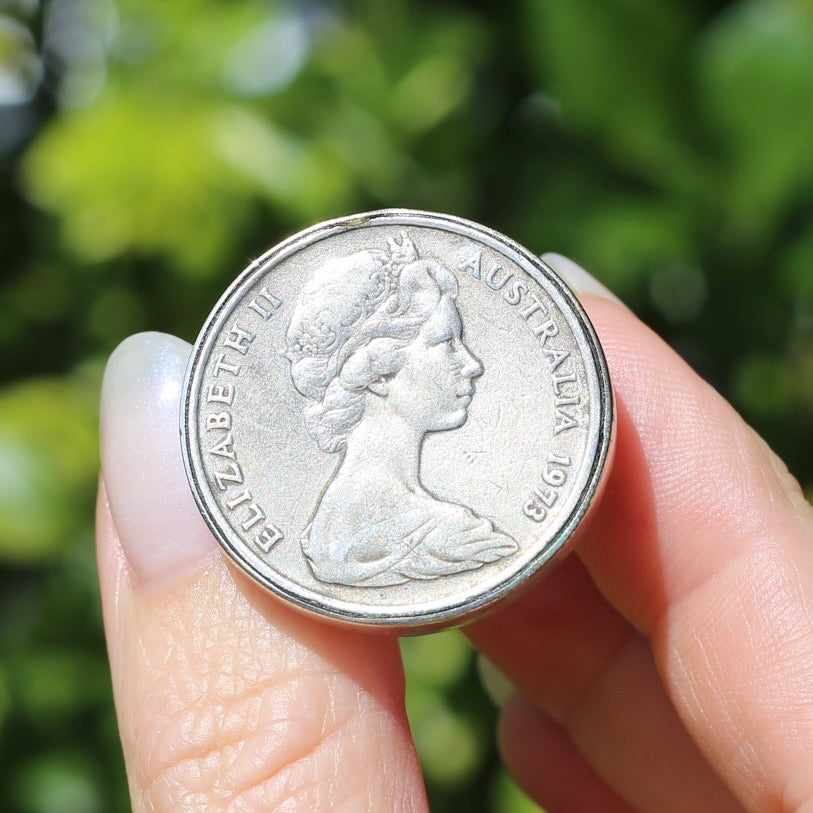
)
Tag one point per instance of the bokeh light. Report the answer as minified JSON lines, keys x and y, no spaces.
{"x":151,"y":148}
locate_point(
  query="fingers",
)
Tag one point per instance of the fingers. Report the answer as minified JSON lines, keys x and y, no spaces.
{"x":142,"y":468}
{"x":572,"y":655}
{"x":548,"y":767}
{"x":707,"y":551}
{"x":226,"y":699}
{"x":693,"y":488}
{"x":703,"y":544}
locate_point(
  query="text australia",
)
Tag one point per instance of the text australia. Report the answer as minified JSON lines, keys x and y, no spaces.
{"x":542,"y":324}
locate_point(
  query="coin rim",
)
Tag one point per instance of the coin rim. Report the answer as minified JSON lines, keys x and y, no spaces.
{"x":459,"y":611}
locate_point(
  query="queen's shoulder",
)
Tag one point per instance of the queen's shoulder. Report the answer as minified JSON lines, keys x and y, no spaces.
{"x":455,"y":513}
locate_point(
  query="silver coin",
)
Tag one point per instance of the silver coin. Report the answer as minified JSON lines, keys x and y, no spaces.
{"x":396,"y":419}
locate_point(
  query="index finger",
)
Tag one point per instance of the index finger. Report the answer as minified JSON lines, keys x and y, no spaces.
{"x":702,"y":543}
{"x":226,"y":699}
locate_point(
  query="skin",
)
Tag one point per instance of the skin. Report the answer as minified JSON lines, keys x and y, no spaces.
{"x":665,"y":666}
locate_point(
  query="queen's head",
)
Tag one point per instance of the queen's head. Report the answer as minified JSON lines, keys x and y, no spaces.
{"x":378,"y":331}
{"x":376,"y":348}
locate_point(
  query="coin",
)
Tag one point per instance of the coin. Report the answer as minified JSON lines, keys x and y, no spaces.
{"x":396,"y":419}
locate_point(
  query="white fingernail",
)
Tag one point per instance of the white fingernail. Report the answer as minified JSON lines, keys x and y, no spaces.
{"x":579,"y":280}
{"x":159,"y":525}
{"x":497,"y":686}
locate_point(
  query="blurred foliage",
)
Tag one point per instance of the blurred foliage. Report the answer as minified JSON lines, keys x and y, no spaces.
{"x":149,"y":148}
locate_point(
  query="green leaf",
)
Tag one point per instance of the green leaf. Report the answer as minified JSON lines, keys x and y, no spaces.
{"x":48,"y":461}
{"x":617,"y":71}
{"x":58,"y":782}
{"x":755,"y":68}
{"x":438,"y":660}
{"x":139,"y":174}
{"x":449,"y":743}
{"x":506,"y":797}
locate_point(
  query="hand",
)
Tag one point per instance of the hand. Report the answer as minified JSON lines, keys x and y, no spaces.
{"x":666,"y":666}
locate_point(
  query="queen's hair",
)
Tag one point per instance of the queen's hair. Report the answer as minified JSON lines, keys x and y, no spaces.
{"x":351,"y":326}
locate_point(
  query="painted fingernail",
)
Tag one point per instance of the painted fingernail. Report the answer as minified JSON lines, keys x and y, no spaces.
{"x":497,"y":686}
{"x":579,"y":280}
{"x":160,"y":528}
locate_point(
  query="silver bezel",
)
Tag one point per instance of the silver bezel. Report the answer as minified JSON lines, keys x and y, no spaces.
{"x":454,"y":613}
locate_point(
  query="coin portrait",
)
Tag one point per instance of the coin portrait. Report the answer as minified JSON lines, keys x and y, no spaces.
{"x":376,"y":348}
{"x":396,"y":419}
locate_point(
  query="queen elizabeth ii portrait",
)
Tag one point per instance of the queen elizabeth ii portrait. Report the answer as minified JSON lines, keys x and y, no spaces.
{"x":376,"y":348}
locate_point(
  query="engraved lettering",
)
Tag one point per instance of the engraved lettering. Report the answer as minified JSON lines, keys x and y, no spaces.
{"x":554,"y":476}
{"x":255,"y":515}
{"x":491,"y":278}
{"x":243,"y":496}
{"x":558,"y":380}
{"x":224,"y":447}
{"x":545,"y":330}
{"x":220,"y":420}
{"x":233,"y":474}
{"x":268,"y":537}
{"x":222,"y":364}
{"x":534,"y":510}
{"x":561,"y":459}
{"x":472,"y":265}
{"x":222,"y":393}
{"x":536,"y":305}
{"x":547,"y":496}
{"x":513,"y":295}
{"x":555,"y":357}
{"x":266,"y":304}
{"x":239,"y":339}
{"x":563,"y":422}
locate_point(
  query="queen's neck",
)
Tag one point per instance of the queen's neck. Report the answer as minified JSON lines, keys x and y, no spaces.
{"x":383,"y":446}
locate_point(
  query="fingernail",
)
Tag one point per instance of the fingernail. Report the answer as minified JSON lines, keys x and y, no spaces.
{"x":161,"y":531}
{"x":577,"y":278}
{"x":497,"y":686}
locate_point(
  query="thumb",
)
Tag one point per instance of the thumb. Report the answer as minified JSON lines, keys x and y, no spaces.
{"x":226,"y":698}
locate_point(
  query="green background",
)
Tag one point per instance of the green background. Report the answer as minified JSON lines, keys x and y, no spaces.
{"x":150,"y":148}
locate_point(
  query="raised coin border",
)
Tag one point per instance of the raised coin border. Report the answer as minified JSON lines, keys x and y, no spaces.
{"x":458,"y":612}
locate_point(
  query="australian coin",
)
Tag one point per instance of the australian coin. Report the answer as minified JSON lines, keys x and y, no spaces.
{"x":396,"y":418}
